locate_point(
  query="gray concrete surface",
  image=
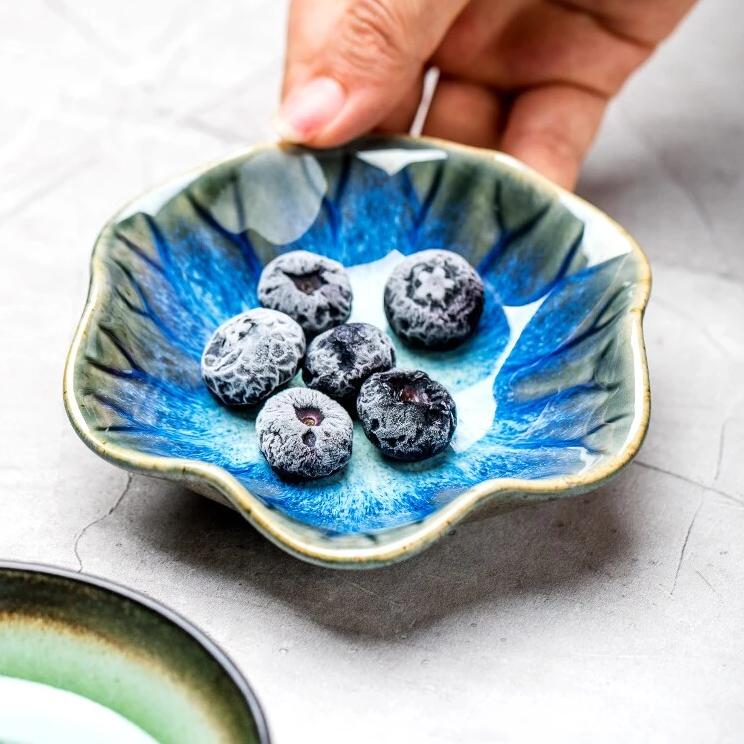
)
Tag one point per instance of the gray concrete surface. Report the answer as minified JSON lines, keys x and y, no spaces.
{"x":613,"y":617}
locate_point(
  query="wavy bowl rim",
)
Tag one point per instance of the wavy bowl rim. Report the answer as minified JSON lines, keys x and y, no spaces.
{"x":436,"y":524}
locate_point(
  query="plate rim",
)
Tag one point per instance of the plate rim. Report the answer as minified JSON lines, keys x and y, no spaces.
{"x":436,"y":524}
{"x":164,"y":611}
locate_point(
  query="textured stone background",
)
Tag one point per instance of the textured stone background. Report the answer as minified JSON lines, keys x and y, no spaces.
{"x":614,"y":617}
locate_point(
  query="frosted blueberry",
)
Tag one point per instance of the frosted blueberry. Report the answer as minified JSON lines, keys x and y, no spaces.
{"x":313,"y":290}
{"x":338,"y":361}
{"x":406,"y":414}
{"x":434,"y":299}
{"x":251,"y":355}
{"x":304,"y":434}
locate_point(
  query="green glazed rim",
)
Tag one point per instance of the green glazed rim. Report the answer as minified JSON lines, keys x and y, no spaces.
{"x":125,"y":651}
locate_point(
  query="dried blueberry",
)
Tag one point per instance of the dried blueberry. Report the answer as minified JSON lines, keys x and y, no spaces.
{"x":406,"y":414}
{"x":434,"y":299}
{"x":252,"y":354}
{"x":338,"y":361}
{"x":313,"y":290}
{"x":304,"y":434}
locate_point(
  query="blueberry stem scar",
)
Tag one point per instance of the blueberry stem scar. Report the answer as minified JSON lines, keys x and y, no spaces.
{"x":309,"y":416}
{"x":307,"y":283}
{"x":409,"y":394}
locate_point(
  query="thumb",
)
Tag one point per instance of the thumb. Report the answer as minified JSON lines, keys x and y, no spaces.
{"x":351,"y":62}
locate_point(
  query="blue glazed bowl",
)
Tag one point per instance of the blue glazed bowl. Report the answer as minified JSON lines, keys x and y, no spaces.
{"x":552,"y":392}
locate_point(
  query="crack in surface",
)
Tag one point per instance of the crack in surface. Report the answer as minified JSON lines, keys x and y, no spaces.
{"x":722,"y":443}
{"x":684,"y":546}
{"x":691,"y":481}
{"x":721,"y":446}
{"x":98,"y":520}
{"x":712,"y":588}
{"x":86,"y":31}
{"x":221,"y":134}
{"x":692,"y":320}
{"x":47,"y":188}
{"x":718,"y":274}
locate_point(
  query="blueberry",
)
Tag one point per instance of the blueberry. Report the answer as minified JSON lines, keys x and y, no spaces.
{"x":434,"y":299}
{"x":304,"y":434}
{"x":251,"y":355}
{"x":406,"y":414}
{"x":313,"y":290}
{"x":338,"y":361}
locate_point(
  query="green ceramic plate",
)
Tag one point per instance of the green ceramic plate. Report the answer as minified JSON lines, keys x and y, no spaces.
{"x":83,"y":660}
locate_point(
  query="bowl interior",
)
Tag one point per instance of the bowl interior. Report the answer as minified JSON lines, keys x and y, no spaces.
{"x":548,"y":387}
{"x":137,"y":675}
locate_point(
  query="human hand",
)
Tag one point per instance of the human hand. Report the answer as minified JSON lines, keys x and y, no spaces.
{"x":529,"y":77}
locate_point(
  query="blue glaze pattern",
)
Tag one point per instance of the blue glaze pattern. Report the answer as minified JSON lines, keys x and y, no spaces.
{"x":546,"y":387}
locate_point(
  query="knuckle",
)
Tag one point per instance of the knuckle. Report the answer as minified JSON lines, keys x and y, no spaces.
{"x":374,"y":32}
{"x":553,"y":143}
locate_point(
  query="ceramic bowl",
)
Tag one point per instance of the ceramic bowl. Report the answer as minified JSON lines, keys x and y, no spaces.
{"x":84,"y":660}
{"x":552,"y":391}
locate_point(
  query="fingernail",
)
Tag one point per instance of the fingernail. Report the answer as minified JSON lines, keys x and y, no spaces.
{"x":309,"y":108}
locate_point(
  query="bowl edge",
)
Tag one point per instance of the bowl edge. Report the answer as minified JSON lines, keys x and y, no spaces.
{"x":431,"y":528}
{"x":196,"y":634}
